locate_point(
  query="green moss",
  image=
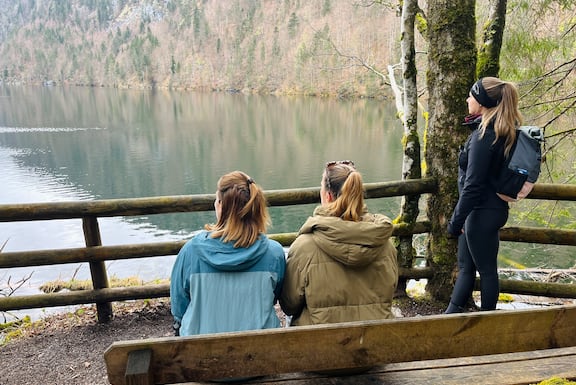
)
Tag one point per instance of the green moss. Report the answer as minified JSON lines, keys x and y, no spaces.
{"x":424,"y":165}
{"x":402,"y":225}
{"x":453,"y":15}
{"x":486,"y":65}
{"x":503,"y":297}
{"x":556,"y":381}
{"x":421,"y":24}
{"x":76,"y":285}
{"x":511,"y":263}
{"x":15,"y":324}
{"x":13,"y":329}
{"x":440,"y":255}
{"x":404,"y":140}
{"x":411,"y":137}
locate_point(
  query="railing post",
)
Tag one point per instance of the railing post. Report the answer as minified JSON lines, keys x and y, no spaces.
{"x":97,"y":269}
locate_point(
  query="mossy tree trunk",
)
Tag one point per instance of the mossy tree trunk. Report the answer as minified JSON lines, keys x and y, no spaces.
{"x":411,"y":142}
{"x":489,"y":52}
{"x":451,"y":71}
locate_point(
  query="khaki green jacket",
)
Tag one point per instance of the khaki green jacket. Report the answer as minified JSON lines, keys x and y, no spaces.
{"x":339,"y":271}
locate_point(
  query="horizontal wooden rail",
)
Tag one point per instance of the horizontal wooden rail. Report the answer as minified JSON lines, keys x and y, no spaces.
{"x":88,"y":254}
{"x":204,"y":202}
{"x":81,"y":297}
{"x":126,"y":293}
{"x":106,"y":208}
{"x":544,"y":289}
{"x":141,"y":250}
{"x":538,"y":235}
{"x":189,"y":203}
{"x":551,"y":191}
{"x":108,"y":253}
{"x":547,"y":289}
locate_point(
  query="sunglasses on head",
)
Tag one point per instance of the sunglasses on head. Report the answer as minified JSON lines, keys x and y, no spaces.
{"x":335,"y":162}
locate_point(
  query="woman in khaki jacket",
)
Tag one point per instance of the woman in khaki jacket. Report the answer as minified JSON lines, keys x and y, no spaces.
{"x":342,"y":266}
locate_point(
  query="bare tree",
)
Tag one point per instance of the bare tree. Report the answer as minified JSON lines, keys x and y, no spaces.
{"x":408,"y":111}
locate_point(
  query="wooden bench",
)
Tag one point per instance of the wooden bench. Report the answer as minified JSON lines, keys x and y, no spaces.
{"x":514,"y":345}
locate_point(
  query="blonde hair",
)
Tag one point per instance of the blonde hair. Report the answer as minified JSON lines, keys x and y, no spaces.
{"x":345,"y":185}
{"x":505,"y":115}
{"x":244,"y":215}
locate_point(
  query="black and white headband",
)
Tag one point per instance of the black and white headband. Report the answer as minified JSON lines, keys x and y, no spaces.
{"x":479,"y":93}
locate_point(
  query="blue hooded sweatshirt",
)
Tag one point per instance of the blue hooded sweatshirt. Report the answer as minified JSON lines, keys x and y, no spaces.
{"x":217,"y":288}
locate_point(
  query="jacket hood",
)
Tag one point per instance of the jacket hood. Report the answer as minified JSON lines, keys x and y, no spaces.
{"x":351,"y":243}
{"x":223,"y":256}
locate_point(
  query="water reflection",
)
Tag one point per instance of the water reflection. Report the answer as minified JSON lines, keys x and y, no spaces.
{"x":122,"y":143}
{"x":61,"y":144}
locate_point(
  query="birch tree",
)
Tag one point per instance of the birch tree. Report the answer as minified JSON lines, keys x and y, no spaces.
{"x":407,"y":105}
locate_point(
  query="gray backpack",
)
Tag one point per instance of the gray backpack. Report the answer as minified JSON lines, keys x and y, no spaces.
{"x":521,"y":169}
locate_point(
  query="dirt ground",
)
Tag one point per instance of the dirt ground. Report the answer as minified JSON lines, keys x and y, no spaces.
{"x":68,"y":349}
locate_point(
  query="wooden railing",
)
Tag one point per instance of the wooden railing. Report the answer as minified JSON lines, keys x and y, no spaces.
{"x":95,"y":254}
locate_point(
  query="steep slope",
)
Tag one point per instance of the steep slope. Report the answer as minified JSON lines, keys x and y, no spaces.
{"x":260,"y":45}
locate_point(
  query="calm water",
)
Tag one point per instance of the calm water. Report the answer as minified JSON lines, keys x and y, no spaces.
{"x":66,"y":144}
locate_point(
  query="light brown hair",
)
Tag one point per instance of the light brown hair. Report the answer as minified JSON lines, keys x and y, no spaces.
{"x":344,"y":183}
{"x":505,"y":115}
{"x":244,"y":215}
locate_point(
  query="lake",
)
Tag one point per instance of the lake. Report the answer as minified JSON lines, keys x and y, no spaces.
{"x":73,"y":143}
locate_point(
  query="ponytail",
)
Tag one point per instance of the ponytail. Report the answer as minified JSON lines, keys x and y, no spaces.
{"x":505,"y":116}
{"x":244,"y":212}
{"x":349,"y":202}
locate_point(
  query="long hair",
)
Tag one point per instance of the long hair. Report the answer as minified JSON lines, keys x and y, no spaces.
{"x":505,"y":115}
{"x":244,"y":215}
{"x":345,"y":185}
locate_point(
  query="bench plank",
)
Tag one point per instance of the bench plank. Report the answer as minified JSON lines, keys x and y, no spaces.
{"x":502,"y":369}
{"x":512,"y":368}
{"x":347,"y":345}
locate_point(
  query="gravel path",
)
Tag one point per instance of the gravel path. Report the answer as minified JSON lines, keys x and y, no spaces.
{"x":68,"y":349}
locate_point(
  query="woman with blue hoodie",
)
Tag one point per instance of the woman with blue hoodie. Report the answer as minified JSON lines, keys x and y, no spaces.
{"x":228,"y":277}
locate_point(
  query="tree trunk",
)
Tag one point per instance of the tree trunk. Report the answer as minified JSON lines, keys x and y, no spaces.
{"x":489,"y":52}
{"x":411,"y":142}
{"x":451,"y":72}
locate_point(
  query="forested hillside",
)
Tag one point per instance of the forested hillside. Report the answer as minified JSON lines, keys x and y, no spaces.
{"x":336,"y":47}
{"x":255,"y":45}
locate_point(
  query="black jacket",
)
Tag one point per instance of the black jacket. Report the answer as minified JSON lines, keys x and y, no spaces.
{"x":479,"y":164}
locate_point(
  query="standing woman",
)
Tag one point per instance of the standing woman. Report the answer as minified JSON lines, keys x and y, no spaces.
{"x":480,"y":213}
{"x":342,"y":266}
{"x":228,"y":277}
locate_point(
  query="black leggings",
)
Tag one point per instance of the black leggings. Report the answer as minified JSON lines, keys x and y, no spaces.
{"x":478,"y":251}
